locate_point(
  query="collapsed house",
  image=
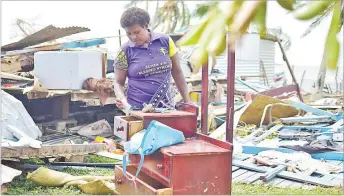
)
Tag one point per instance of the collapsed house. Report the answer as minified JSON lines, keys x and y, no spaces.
{"x":53,"y":107}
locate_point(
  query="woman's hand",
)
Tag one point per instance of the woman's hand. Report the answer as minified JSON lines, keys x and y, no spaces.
{"x":122,"y":103}
{"x":119,"y":103}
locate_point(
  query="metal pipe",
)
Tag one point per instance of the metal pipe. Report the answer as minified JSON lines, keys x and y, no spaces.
{"x":101,"y":165}
{"x":230,"y":104}
{"x":54,"y":167}
{"x":230,"y":95}
{"x":204,"y":99}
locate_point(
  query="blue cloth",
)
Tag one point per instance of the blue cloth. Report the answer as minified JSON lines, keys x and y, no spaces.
{"x":148,"y":141}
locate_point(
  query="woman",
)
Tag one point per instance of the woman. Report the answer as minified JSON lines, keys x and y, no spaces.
{"x":148,"y":60}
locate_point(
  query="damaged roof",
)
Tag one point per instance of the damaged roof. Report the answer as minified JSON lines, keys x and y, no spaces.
{"x":47,"y":34}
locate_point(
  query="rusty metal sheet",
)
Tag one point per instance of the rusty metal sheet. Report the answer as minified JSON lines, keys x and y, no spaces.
{"x":47,"y":34}
{"x":51,"y":150}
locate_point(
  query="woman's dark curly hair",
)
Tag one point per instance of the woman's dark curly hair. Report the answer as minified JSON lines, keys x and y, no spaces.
{"x":133,"y":16}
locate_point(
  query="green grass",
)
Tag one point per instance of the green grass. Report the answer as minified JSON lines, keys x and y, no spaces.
{"x":22,"y":186}
{"x":92,"y":158}
{"x":36,"y":161}
{"x":258,"y":189}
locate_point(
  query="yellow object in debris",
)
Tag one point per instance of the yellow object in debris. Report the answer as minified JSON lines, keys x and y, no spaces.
{"x":99,"y":187}
{"x":46,"y":177}
{"x":99,"y":139}
{"x":76,"y":183}
{"x":118,"y":151}
{"x":254,"y":112}
{"x":195,"y":97}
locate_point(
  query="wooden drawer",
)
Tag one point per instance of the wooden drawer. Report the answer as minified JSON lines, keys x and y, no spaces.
{"x":144,"y":185}
{"x":126,"y":126}
{"x":158,"y":165}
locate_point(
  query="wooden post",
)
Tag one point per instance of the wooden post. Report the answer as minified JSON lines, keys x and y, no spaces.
{"x":60,"y":107}
{"x":204,"y":99}
{"x":290,"y":70}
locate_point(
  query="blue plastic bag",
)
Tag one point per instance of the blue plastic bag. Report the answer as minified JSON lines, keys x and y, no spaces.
{"x":147,"y":141}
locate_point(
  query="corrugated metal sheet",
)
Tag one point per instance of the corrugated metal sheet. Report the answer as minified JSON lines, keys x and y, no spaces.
{"x":248,"y":48}
{"x":267,"y":55}
{"x":47,"y":34}
{"x":248,"y":54}
{"x":246,"y":60}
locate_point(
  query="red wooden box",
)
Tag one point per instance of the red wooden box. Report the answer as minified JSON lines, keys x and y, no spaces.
{"x":200,"y":165}
{"x":180,"y":120}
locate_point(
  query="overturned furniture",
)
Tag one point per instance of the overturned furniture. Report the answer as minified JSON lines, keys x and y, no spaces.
{"x":195,"y":166}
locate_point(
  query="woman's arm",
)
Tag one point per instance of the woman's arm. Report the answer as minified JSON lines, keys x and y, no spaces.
{"x":120,"y":77}
{"x":121,"y":72}
{"x":118,"y":85}
{"x":179,"y":78}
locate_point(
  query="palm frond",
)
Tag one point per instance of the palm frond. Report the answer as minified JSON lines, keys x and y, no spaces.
{"x":282,"y":36}
{"x":185,"y":16}
{"x":202,"y":9}
{"x":318,"y":20}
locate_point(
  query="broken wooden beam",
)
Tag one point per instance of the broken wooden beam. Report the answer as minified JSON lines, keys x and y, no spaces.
{"x":339,"y":156}
{"x":51,"y":150}
{"x":306,"y":119}
{"x":316,"y":111}
{"x":287,"y":175}
{"x":266,"y":177}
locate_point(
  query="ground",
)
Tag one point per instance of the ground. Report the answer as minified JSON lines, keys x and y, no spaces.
{"x":21,"y":186}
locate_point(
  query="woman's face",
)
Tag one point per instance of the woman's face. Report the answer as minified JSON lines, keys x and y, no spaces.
{"x":137,"y":34}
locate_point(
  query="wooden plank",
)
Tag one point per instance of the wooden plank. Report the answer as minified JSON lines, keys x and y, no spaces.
{"x":266,"y":177}
{"x":325,"y":155}
{"x":285,"y":174}
{"x":306,"y":119}
{"x":258,"y":182}
{"x":314,"y":111}
{"x":275,"y":181}
{"x":306,"y":179}
{"x":252,"y":179}
{"x":243,"y":176}
{"x":285,"y":184}
{"x":51,"y":150}
{"x":243,"y":157}
{"x":307,"y":186}
{"x":238,"y":173}
{"x":234,"y":168}
{"x":267,"y":133}
{"x":337,"y":181}
{"x":296,"y":185}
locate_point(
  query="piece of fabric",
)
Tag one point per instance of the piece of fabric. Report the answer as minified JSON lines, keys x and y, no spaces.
{"x":148,"y":68}
{"x":146,"y":142}
{"x":317,"y":146}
